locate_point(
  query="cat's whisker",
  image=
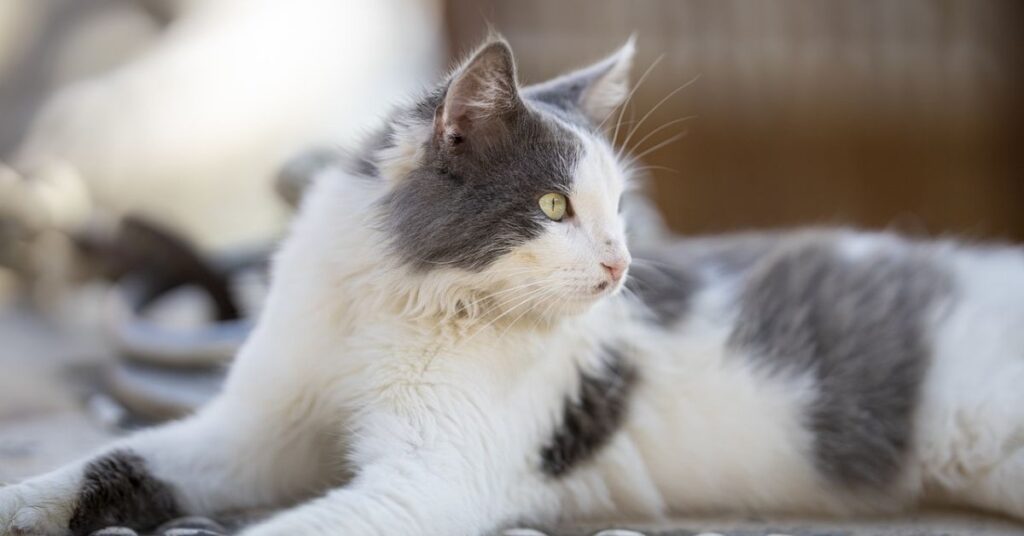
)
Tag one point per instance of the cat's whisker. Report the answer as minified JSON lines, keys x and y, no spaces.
{"x":655,"y":131}
{"x":641,"y":169}
{"x":492,"y":296}
{"x":553,"y":303}
{"x":499,"y":304}
{"x":653,"y":263}
{"x":632,"y":121}
{"x":536,"y":303}
{"x":533,"y":291}
{"x":629,"y":97}
{"x":515,"y":269}
{"x":543,"y":315}
{"x":512,"y":272}
{"x":655,"y":108}
{"x":667,"y":141}
{"x":525,"y":299}
{"x":631,"y":294}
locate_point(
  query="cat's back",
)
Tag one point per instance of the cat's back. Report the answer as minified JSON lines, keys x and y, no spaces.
{"x":830,"y":362}
{"x":831,"y":271}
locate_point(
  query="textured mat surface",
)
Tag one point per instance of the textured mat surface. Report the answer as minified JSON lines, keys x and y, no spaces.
{"x":932,"y":524}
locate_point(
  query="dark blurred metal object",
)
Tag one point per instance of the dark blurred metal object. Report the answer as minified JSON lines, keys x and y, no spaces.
{"x":168,"y":371}
{"x":157,"y":260}
{"x":141,"y":340}
{"x":151,"y":394}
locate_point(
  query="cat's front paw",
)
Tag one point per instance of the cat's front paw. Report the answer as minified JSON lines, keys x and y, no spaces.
{"x":35,"y":509}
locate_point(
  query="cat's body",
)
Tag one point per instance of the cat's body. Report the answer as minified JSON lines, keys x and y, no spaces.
{"x":407,"y":372}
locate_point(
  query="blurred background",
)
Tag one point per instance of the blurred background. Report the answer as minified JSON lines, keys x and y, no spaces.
{"x":151,"y":151}
{"x":877,"y":113}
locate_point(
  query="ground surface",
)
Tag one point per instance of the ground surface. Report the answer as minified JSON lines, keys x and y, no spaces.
{"x":49,"y":414}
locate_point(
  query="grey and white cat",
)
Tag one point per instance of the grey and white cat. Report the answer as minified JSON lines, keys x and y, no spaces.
{"x":458,"y":339}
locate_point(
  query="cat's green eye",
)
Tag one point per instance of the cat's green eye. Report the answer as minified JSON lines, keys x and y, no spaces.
{"x":553,"y":205}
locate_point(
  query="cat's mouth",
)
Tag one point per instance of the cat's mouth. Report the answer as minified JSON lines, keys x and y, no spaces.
{"x":609,"y":286}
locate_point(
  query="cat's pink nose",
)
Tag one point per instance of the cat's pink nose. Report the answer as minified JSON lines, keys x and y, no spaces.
{"x":615,"y":268}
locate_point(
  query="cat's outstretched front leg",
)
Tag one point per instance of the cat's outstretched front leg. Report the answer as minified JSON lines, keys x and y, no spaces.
{"x":224,"y":458}
{"x":411,"y":496}
{"x":419,"y":471}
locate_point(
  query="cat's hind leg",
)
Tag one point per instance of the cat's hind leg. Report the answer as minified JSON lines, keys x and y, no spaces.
{"x":972,"y":443}
{"x":971,"y":448}
{"x":971,"y":419}
{"x":997,"y":488}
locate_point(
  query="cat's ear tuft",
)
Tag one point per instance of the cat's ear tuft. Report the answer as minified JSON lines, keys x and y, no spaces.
{"x":594,"y":91}
{"x":610,"y":88}
{"x":480,"y":96}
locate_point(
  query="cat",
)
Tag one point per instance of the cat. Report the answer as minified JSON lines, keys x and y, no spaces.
{"x":457,"y":339}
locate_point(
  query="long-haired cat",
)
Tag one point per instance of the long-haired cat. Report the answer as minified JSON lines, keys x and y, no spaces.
{"x":457,"y":339}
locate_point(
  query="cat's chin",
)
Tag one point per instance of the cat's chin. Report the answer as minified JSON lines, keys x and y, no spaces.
{"x":568,"y":308}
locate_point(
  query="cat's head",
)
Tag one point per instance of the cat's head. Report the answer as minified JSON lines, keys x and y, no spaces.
{"x":514,"y":190}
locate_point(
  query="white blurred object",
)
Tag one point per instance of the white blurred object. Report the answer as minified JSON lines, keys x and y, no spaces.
{"x":17,"y":20}
{"x":191,"y":131}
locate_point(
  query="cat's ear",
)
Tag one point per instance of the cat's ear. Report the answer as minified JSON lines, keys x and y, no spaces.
{"x":594,"y":91}
{"x":480,"y":98}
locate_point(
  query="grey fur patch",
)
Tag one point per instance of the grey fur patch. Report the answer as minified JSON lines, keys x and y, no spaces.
{"x":363,"y":161}
{"x":666,"y":291}
{"x":563,"y":95}
{"x":117,"y":489}
{"x":666,"y":280}
{"x":294,"y":179}
{"x":466,"y":209}
{"x":860,"y":327}
{"x":591,"y":416}
{"x":726,"y":255}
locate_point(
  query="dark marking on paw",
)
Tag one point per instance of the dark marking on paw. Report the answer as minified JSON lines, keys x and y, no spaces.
{"x":860,"y":328}
{"x":591,"y":416}
{"x":118,"y":490}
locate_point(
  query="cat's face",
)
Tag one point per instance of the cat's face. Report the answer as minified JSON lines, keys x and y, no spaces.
{"x":514,"y":190}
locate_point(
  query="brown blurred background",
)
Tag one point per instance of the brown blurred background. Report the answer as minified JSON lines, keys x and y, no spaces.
{"x":898,"y":113}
